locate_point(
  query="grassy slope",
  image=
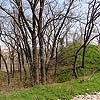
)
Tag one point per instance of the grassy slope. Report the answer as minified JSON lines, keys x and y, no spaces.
{"x":66,"y":89}
{"x":55,"y":91}
{"x":91,"y":58}
{"x":66,"y":58}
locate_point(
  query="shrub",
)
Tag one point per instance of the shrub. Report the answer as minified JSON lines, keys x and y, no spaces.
{"x":66,"y":57}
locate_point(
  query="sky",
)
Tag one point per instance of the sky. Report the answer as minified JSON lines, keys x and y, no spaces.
{"x":60,"y":1}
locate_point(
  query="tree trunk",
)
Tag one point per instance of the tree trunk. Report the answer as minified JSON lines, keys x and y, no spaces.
{"x":0,"y":57}
{"x":22,"y":60}
{"x":20,"y":67}
{"x":74,"y":68}
{"x":12,"y":61}
{"x":42,"y":57}
{"x":56,"y":61}
{"x":83,"y":56}
{"x":35,"y":55}
{"x":8,"y":76}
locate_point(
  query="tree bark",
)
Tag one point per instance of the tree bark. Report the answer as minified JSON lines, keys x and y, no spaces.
{"x":40,"y":32}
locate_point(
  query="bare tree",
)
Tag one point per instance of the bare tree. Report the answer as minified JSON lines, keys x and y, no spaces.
{"x":92,"y":16}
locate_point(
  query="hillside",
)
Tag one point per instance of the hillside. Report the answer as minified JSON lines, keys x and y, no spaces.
{"x":66,"y":59}
{"x":57,"y":90}
{"x":42,"y":49}
{"x":88,"y":81}
{"x":66,"y":55}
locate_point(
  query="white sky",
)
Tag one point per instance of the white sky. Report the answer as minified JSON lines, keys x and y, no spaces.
{"x":60,"y":1}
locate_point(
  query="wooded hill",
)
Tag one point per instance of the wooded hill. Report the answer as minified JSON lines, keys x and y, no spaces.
{"x":49,"y":40}
{"x":61,"y":69}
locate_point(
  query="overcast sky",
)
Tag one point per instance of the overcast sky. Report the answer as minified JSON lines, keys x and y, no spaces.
{"x":82,"y":5}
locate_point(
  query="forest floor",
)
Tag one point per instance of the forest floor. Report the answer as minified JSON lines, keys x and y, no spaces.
{"x":15,"y":83}
{"x":55,"y":91}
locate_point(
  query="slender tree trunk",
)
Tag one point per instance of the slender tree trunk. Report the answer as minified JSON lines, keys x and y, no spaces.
{"x":35,"y":55}
{"x":20,"y":67}
{"x":0,"y":57}
{"x":74,"y":68}
{"x":22,"y":60}
{"x":12,"y":62}
{"x":66,"y":39}
{"x":8,"y":76}
{"x":83,"y":56}
{"x":56,"y":61}
{"x":75,"y":60}
{"x":13,"y":66}
{"x":42,"y":57}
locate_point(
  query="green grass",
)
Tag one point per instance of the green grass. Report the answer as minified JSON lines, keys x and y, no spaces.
{"x":92,"y":56}
{"x":55,"y":91}
{"x":66,"y":59}
{"x":67,"y":89}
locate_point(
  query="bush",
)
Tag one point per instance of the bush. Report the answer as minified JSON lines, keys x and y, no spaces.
{"x":64,"y":75}
{"x":66,"y":57}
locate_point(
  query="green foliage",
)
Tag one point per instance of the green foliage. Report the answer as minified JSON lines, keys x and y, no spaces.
{"x":66,"y":57}
{"x":70,"y":88}
{"x":92,"y":56}
{"x":58,"y":90}
{"x":64,"y":75}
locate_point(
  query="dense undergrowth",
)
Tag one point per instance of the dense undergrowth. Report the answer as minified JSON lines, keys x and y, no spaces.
{"x":66,"y":58}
